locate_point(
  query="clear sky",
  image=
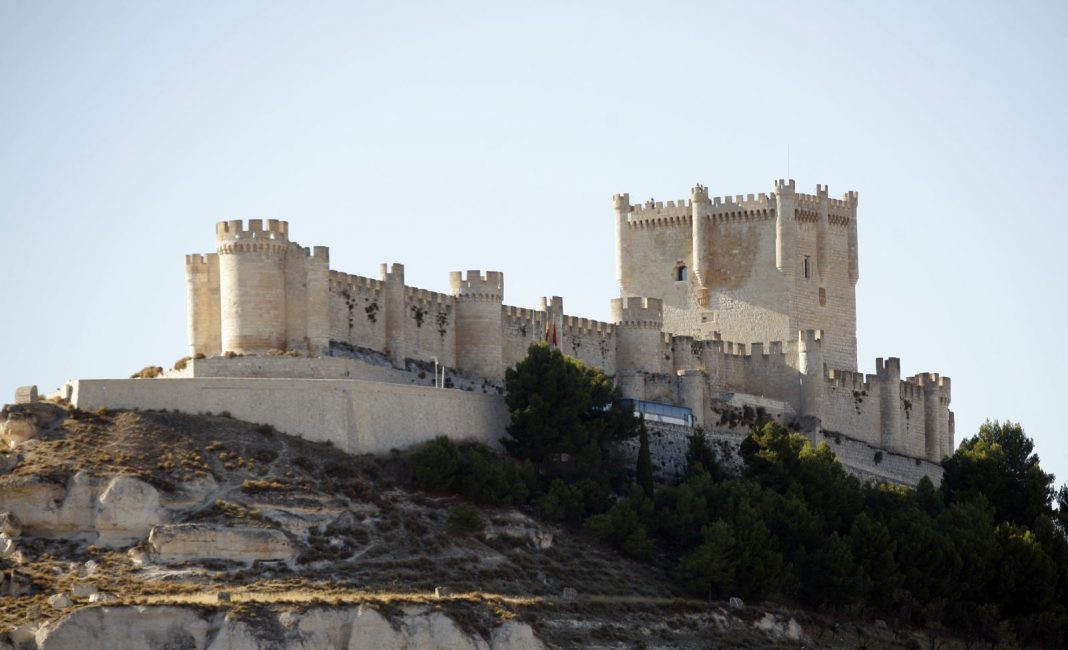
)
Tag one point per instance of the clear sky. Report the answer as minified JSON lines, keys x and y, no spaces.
{"x":450,"y":136}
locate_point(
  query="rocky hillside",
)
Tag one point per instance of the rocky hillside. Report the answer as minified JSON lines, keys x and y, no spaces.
{"x":167,"y":530}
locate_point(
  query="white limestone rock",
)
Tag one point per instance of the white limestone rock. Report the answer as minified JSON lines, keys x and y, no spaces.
{"x":514,"y":635}
{"x":436,"y":630}
{"x":60,"y":601}
{"x":238,"y":635}
{"x":177,"y":543}
{"x":190,"y":494}
{"x":127,"y":510}
{"x":82,"y":590}
{"x":16,"y":431}
{"x":102,"y":597}
{"x":106,"y":628}
{"x":10,"y":525}
{"x":33,"y":501}
{"x":371,"y":630}
{"x":7,"y":546}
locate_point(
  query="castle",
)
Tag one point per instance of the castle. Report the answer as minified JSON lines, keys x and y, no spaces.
{"x":728,"y":306}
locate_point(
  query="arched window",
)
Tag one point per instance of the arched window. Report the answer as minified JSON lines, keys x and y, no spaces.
{"x":682,"y":274}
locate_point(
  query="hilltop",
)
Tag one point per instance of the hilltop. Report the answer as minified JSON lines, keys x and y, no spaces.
{"x":156,"y":528}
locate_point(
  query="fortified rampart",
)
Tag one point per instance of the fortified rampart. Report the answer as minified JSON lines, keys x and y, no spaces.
{"x":751,"y":296}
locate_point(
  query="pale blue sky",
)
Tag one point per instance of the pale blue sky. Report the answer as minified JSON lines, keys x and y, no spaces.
{"x":450,"y":136}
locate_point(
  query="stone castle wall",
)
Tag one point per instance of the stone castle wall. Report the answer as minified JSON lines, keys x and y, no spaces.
{"x":358,"y":417}
{"x":749,"y":295}
{"x":758,"y":268}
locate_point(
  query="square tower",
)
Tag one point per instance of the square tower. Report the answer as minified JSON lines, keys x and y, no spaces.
{"x":755,"y":267}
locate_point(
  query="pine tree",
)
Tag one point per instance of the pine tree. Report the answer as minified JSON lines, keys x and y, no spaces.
{"x":645,"y":461}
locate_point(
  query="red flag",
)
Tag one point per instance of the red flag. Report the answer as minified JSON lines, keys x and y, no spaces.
{"x":546,"y":330}
{"x":554,"y":335}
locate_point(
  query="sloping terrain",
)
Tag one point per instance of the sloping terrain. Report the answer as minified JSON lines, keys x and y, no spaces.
{"x":233,"y":524}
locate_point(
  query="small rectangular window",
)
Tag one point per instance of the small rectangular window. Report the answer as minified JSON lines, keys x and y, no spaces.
{"x":804,"y":266}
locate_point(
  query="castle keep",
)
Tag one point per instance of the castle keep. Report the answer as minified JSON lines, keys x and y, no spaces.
{"x":725,"y":302}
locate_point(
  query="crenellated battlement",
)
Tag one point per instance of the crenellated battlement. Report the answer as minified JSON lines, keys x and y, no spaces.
{"x":201,"y":263}
{"x":586,"y":325}
{"x":236,"y":230}
{"x":887,"y":368}
{"x":934,"y":381}
{"x":739,"y":207}
{"x":638,"y":312}
{"x":857,"y":382}
{"x":358,"y":283}
{"x":425,"y":297}
{"x":660,"y":214}
{"x":391,"y":273}
{"x":785,"y":186}
{"x":477,"y":285}
{"x":233,"y":237}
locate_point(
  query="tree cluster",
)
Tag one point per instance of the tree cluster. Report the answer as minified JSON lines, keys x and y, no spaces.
{"x":985,"y":555}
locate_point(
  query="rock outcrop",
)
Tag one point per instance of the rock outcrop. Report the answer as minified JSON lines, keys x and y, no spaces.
{"x":108,"y":511}
{"x":352,"y":628}
{"x":177,"y":543}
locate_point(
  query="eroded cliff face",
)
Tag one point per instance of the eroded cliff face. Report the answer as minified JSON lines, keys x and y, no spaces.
{"x":171,"y":628}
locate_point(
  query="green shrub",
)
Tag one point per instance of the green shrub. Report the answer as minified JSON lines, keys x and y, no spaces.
{"x":466,"y":518}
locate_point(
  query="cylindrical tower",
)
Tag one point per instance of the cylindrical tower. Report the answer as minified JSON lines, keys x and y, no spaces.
{"x":822,"y":259}
{"x":393,"y":307}
{"x":854,"y":264}
{"x":202,"y":283}
{"x":785,"y":228}
{"x":693,"y":393}
{"x":252,"y":284}
{"x":318,"y":295}
{"x":889,"y":377}
{"x":700,"y":208}
{"x":810,"y":365}
{"x":639,"y":342}
{"x":621,"y":204}
{"x":479,"y":338}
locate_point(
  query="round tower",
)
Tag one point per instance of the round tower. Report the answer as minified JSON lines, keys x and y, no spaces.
{"x":393,"y":303}
{"x":701,"y":209}
{"x":621,"y":205}
{"x":479,"y":338}
{"x":810,"y":365}
{"x":252,"y":284}
{"x":639,"y":342}
{"x":785,"y":228}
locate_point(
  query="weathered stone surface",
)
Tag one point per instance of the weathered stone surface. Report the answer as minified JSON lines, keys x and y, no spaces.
{"x":26,"y":394}
{"x":102,"y":597}
{"x":33,"y":501}
{"x":106,"y":511}
{"x":127,"y":510}
{"x":190,"y":493}
{"x":371,"y":630}
{"x":106,"y":628}
{"x":15,"y":431}
{"x":323,"y":628}
{"x":10,"y":524}
{"x":513,"y":635}
{"x":436,"y":630}
{"x":7,"y":545}
{"x":188,"y":542}
{"x":60,"y":601}
{"x":82,"y":590}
